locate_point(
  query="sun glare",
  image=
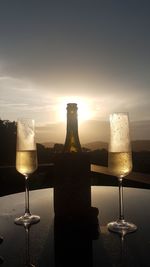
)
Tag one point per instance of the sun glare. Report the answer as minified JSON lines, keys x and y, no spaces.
{"x":84,"y":112}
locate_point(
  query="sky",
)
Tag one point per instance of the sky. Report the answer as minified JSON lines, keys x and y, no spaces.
{"x":95,"y":53}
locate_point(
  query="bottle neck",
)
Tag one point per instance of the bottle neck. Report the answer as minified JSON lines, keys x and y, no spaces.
{"x":72,"y":143}
{"x":72,"y":123}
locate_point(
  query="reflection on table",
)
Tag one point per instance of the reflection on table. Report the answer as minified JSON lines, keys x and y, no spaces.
{"x":54,"y":244}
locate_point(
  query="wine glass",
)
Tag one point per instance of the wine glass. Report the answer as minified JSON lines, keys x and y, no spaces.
{"x":26,"y":163}
{"x":120,"y":164}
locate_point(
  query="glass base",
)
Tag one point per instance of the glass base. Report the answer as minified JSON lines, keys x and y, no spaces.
{"x":27,"y":219}
{"x":121,"y":227}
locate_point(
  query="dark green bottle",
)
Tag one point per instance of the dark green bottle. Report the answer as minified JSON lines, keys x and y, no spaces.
{"x":72,"y":143}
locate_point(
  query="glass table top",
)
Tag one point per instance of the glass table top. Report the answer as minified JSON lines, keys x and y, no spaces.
{"x":50,"y":244}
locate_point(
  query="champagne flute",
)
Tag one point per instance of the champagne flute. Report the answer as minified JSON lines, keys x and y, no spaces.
{"x":26,"y":163}
{"x":120,"y":164}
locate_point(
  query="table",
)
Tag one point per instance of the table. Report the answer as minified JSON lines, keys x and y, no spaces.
{"x":45,"y":247}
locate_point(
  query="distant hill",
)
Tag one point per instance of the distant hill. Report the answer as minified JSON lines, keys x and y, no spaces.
{"x":96,"y":145}
{"x":48,"y":144}
{"x":141,"y":145}
{"x":137,"y":145}
{"x":140,"y":130}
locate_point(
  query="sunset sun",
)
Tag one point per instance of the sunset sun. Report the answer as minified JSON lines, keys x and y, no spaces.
{"x":84,"y":110}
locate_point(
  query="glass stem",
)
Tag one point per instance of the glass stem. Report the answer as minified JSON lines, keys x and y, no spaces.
{"x":27,"y":210}
{"x":121,"y":207}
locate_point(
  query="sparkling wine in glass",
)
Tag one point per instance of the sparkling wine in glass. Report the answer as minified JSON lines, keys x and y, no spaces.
{"x":120,"y":165}
{"x":26,"y":163}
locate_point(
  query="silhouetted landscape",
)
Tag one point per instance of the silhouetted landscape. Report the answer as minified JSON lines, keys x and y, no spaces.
{"x":97,"y":151}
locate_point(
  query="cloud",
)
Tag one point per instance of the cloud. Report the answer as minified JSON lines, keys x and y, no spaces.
{"x":20,"y":97}
{"x":26,"y":98}
{"x":5,"y":104}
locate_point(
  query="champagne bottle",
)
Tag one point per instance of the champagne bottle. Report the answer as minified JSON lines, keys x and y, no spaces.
{"x":72,"y":143}
{"x":72,"y":182}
